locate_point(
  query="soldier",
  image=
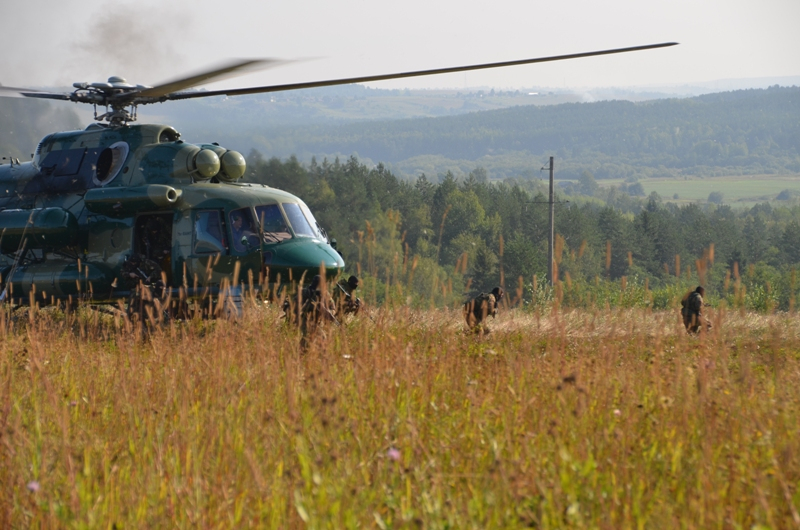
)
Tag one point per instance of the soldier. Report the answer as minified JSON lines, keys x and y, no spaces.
{"x":692,"y":306}
{"x":344,"y":299}
{"x":314,"y":307}
{"x":244,"y":237}
{"x":138,"y":268}
{"x":483,"y":305}
{"x":143,"y":277}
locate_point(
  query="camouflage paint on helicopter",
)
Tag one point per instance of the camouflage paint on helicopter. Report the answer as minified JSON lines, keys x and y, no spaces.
{"x":90,"y":199}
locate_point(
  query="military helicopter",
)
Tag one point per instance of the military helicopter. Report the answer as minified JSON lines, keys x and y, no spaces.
{"x":92,"y":204}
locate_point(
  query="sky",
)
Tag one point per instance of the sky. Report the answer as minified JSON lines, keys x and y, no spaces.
{"x":49,"y":43}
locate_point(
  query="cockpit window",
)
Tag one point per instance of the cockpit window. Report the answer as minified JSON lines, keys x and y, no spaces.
{"x":313,"y":222}
{"x":272,"y":223}
{"x":209,"y":233}
{"x":299,"y":222}
{"x":243,"y":230}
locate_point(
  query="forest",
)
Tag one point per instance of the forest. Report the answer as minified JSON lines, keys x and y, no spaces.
{"x":432,"y":241}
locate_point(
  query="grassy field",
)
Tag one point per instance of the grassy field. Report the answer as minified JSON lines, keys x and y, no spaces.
{"x":743,"y":191}
{"x":399,"y":419}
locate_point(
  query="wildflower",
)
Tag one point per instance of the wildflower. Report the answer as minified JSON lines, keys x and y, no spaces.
{"x":33,"y":486}
{"x":393,"y":453}
{"x":617,"y":412}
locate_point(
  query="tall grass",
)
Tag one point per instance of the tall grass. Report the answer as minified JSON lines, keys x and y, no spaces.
{"x":392,"y":274}
{"x":586,"y":418}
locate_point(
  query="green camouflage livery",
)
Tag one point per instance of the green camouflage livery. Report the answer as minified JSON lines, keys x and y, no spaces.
{"x":89,"y":200}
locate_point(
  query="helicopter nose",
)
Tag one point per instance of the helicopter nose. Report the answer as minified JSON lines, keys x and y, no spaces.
{"x":304,"y":256}
{"x":319,"y":256}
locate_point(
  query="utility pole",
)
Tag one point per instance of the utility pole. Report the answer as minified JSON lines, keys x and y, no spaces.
{"x":551,"y":274}
{"x":552,"y":237}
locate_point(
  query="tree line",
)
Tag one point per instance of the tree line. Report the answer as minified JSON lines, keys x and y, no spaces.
{"x":434,"y":240}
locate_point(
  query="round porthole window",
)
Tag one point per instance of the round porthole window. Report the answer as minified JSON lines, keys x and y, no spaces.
{"x":110,"y":162}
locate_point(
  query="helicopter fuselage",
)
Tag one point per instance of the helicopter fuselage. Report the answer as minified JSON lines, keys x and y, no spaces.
{"x":90,"y":200}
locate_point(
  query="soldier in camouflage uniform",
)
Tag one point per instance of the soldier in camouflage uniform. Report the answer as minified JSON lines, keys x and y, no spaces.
{"x":143,"y":277}
{"x":344,"y":297}
{"x":692,"y":307}
{"x":483,"y":305}
{"x":138,"y":268}
{"x":313,"y":307}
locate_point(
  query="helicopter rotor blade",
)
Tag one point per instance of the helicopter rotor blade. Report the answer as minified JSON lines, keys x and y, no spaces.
{"x":231,"y":69}
{"x":12,"y":92}
{"x":419,"y":73}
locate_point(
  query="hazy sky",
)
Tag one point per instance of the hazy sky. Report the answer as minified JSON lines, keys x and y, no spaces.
{"x":47,"y":43}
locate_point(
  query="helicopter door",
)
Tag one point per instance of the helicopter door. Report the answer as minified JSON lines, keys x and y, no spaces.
{"x":153,"y":240}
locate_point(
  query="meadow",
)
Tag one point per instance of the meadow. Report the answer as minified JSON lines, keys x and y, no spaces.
{"x":744,"y":191}
{"x":400,"y":419}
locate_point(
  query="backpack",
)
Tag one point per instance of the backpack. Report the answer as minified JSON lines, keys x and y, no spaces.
{"x":483,"y":302}
{"x":685,"y":304}
{"x":689,"y":304}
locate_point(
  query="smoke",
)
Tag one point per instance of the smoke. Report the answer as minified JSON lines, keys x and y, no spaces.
{"x":137,"y":42}
{"x":23,"y":122}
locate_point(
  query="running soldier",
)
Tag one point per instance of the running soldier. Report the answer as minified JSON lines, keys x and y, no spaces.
{"x":344,"y":297}
{"x":692,"y":311}
{"x":483,"y":305}
{"x":312,"y":308}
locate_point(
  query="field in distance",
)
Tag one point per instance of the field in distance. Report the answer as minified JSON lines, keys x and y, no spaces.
{"x":399,"y":418}
{"x":744,"y":191}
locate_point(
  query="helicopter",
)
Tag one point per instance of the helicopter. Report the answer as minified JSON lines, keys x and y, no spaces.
{"x":79,"y":219}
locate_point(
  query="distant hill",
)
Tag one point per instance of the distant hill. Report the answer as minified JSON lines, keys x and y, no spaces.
{"x":508,"y":133}
{"x":342,"y":104}
{"x":741,"y":132}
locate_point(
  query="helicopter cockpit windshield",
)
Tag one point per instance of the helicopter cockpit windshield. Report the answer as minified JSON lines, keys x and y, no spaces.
{"x":273,"y":224}
{"x":302,"y":220}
